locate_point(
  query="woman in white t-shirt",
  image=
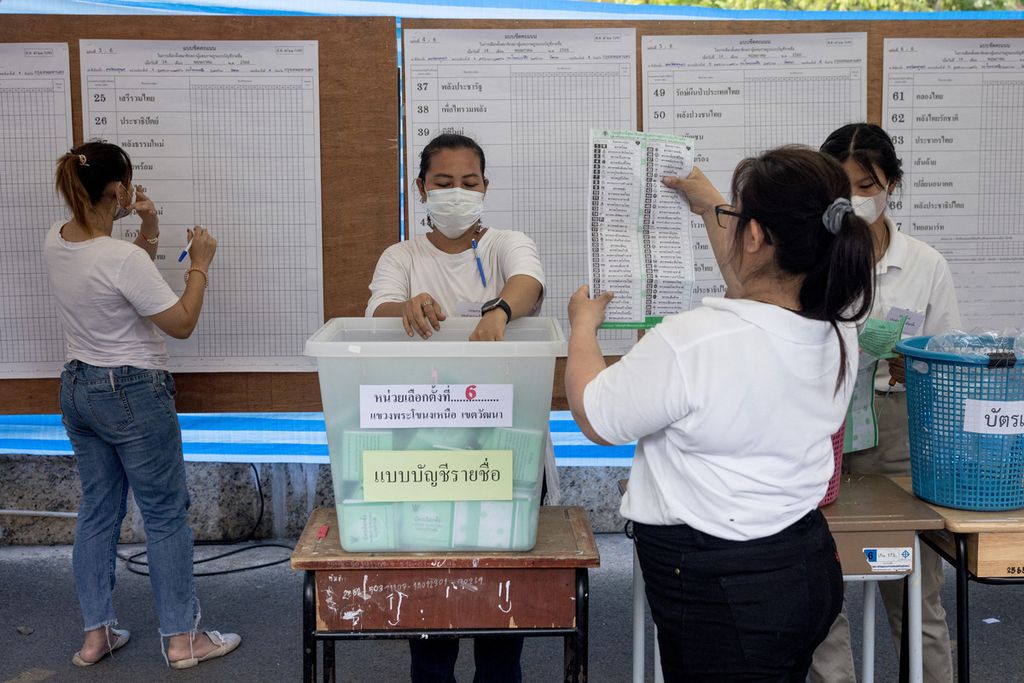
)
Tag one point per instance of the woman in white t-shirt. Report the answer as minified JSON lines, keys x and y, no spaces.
{"x":460,"y":268}
{"x":117,"y":399}
{"x":733,"y":405}
{"x":911,"y":279}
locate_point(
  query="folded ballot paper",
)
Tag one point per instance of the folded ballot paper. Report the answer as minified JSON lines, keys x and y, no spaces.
{"x":527,"y":446}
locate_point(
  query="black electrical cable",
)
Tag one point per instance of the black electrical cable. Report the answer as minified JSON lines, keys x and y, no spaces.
{"x":132,"y":560}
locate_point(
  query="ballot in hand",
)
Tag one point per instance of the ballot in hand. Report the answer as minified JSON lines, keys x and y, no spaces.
{"x":585,"y":313}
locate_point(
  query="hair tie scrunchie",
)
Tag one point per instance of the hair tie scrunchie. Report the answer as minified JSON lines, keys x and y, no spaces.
{"x":834,"y":214}
{"x":82,"y":161}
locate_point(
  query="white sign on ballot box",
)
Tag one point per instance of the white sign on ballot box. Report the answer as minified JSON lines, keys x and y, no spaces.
{"x":434,"y":405}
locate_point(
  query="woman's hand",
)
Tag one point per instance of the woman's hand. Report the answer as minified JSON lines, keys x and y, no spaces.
{"x":204,"y":246}
{"x":586,"y":314}
{"x":422,"y":314}
{"x":491,"y":326}
{"x":897,"y":370}
{"x":697,"y":190}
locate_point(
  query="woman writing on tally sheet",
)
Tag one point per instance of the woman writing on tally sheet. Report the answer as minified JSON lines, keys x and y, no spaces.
{"x":460,"y":268}
{"x":912,"y":280}
{"x":117,"y":399}
{"x":733,"y":405}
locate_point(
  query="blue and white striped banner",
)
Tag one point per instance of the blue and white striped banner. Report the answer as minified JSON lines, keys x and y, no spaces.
{"x":276,"y":437}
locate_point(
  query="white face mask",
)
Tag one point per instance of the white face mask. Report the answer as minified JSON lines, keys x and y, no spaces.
{"x":454,"y":210}
{"x":120,"y":212}
{"x":870,"y":208}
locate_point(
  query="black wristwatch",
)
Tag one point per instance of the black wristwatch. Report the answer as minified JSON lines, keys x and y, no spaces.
{"x":497,"y":303}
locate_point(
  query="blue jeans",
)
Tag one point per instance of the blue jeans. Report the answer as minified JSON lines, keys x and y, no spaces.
{"x":124,"y":430}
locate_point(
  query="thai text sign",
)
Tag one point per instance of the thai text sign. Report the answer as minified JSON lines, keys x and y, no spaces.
{"x":993,"y":417}
{"x":402,"y":406}
{"x":392,"y":476}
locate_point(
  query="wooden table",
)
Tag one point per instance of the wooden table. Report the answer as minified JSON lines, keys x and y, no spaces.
{"x":543,"y":592}
{"x":987,"y":547}
{"x":870,"y":513}
{"x":874,"y":513}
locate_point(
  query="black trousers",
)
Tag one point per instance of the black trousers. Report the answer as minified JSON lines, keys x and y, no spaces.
{"x":740,"y":611}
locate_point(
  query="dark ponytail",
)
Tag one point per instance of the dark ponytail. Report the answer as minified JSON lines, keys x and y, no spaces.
{"x":788,"y":191}
{"x":84,"y":173}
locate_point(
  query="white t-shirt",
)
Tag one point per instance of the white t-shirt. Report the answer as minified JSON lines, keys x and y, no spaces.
{"x":912,"y":275}
{"x":734,"y":406}
{"x":105,"y":289}
{"x":414,"y":266}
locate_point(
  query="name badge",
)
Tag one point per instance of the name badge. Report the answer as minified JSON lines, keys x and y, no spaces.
{"x":914,"y":320}
{"x":468,"y":309}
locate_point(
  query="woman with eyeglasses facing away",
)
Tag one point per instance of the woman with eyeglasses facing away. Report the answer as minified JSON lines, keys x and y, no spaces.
{"x":733,"y":406}
{"x":117,"y":399}
{"x":913,"y":279}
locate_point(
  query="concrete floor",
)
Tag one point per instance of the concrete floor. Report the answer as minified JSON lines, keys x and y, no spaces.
{"x":36,"y":591}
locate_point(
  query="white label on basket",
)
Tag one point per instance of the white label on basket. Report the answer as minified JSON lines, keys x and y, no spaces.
{"x":890,"y":559}
{"x":993,"y":417}
{"x":434,"y":405}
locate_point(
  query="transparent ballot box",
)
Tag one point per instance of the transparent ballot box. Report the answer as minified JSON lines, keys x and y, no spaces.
{"x":436,"y":444}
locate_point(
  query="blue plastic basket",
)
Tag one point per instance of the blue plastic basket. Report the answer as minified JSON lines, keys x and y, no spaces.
{"x":950,"y":466}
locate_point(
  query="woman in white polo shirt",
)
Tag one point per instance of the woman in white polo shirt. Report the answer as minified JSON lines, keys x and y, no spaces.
{"x":733,"y":405}
{"x":117,"y":399}
{"x":460,"y":268}
{"x":912,"y":279}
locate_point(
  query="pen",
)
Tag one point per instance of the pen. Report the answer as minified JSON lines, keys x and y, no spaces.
{"x":184,"y":252}
{"x":479,"y":265}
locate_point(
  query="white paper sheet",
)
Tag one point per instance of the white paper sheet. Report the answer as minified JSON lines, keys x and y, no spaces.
{"x":740,"y":95}
{"x":35,"y":129}
{"x":954,"y":109}
{"x":530,"y":98}
{"x":639,"y":242}
{"x":226,"y":135}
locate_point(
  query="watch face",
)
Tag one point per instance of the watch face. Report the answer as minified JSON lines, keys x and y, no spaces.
{"x":488,"y":305}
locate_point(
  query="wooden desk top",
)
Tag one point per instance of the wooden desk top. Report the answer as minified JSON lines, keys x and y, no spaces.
{"x":871,"y":502}
{"x":971,"y":522}
{"x":564,"y":539}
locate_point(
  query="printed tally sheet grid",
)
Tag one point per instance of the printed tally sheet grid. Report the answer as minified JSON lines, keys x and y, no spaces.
{"x":552,"y":114}
{"x":1002,"y":161}
{"x":787,"y":110}
{"x":251,"y":180}
{"x":33,"y":133}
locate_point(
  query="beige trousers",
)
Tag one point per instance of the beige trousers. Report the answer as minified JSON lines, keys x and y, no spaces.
{"x":833,"y":660}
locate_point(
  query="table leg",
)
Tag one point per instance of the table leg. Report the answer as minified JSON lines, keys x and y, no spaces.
{"x":639,"y":620}
{"x":576,"y":644}
{"x":963,"y":651}
{"x":309,"y":628}
{"x":912,"y":638}
{"x":867,"y":662}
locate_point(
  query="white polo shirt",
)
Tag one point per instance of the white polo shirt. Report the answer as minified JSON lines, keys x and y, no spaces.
{"x":913,"y":276}
{"x":106,"y":289}
{"x":734,"y":405}
{"x":415,"y":266}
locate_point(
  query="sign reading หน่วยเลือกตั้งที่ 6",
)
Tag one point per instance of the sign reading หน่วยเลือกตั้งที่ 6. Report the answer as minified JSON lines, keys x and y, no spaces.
{"x":390,"y":476}
{"x":401,"y":406}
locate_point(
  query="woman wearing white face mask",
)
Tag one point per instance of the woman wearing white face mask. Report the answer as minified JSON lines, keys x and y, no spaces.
{"x":460,"y":268}
{"x":912,"y":279}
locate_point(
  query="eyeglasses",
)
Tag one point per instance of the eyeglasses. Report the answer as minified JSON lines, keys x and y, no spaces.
{"x":728,"y":210}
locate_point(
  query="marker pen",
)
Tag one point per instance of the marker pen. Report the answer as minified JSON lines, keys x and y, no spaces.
{"x":479,"y":265}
